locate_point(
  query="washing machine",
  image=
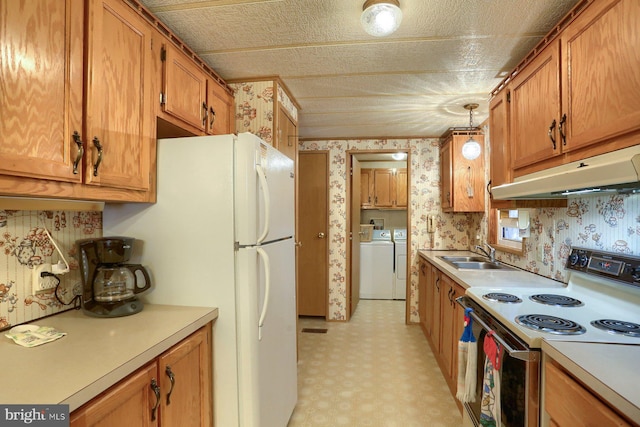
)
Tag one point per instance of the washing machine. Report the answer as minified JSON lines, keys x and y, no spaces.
{"x":376,"y":266}
{"x":400,"y":264}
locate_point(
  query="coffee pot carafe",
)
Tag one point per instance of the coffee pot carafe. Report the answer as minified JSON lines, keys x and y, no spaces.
{"x":109,"y":284}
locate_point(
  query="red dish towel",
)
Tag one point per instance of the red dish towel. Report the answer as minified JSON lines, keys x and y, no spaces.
{"x":490,"y":405}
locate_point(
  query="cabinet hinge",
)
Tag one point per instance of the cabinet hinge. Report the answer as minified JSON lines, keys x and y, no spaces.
{"x":163,"y":54}
{"x":163,"y":98}
{"x":508,"y":96}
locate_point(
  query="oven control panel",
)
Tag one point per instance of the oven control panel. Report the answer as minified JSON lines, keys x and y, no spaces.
{"x":612,"y":265}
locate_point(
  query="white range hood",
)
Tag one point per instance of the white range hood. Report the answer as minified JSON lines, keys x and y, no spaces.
{"x":618,"y":171}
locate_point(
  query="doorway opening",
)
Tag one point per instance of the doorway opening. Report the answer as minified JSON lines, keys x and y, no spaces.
{"x":378,"y":209}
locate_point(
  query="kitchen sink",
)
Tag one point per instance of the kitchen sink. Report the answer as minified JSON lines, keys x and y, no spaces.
{"x":475,"y":263}
{"x":464,"y":258}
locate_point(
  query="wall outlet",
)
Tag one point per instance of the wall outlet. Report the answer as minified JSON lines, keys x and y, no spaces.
{"x":41,"y":284}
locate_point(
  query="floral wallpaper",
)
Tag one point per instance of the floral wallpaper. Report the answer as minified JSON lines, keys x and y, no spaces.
{"x":24,"y":244}
{"x":609,"y":223}
{"x":255,"y":106}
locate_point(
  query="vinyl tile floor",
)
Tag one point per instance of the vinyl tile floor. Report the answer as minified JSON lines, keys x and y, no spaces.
{"x":372,"y":371}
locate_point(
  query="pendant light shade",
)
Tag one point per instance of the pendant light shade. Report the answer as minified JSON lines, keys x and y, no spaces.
{"x":471,"y":149}
{"x":381,"y":17}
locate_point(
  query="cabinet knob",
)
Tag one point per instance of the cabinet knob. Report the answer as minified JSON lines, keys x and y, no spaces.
{"x":321,"y":235}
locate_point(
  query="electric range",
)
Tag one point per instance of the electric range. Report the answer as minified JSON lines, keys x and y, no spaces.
{"x":602,"y":286}
{"x":603,"y":291}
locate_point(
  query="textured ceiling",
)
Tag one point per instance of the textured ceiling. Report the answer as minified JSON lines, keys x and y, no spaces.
{"x":349,"y":84}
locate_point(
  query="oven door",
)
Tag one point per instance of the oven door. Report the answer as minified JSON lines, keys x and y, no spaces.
{"x":519,"y":373}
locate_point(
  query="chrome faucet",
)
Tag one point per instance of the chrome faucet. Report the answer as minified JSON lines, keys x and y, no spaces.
{"x":492,"y":251}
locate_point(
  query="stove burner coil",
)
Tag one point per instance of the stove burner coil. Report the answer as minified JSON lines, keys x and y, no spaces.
{"x":500,"y":297}
{"x":550,"y":324}
{"x":556,"y":300}
{"x":618,"y":327}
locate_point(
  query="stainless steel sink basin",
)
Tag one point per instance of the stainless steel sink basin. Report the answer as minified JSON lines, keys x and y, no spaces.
{"x":464,"y":258}
{"x":480,"y":265}
{"x":474,"y":263}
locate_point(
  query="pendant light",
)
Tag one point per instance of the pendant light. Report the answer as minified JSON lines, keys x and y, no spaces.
{"x":471,"y":149}
{"x":381,"y":17}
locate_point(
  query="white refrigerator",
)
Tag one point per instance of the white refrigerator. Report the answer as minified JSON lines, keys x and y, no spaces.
{"x":222,"y":234}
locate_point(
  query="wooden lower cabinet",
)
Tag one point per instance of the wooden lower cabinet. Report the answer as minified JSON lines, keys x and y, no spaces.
{"x":424,"y":270}
{"x":568,"y":403}
{"x":443,"y":318}
{"x":175,"y":389}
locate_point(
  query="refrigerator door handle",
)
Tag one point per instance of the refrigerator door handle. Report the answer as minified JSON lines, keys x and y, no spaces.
{"x":267,"y":289}
{"x":262,"y":177}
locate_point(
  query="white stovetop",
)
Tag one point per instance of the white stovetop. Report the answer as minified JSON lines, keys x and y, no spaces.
{"x":600,"y":301}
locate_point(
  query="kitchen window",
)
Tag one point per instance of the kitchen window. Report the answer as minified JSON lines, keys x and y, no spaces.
{"x":511,"y":228}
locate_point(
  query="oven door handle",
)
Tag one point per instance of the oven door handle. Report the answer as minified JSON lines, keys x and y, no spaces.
{"x":526,"y":355}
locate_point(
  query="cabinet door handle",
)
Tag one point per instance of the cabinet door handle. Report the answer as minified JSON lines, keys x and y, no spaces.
{"x":78,"y":141}
{"x":551,"y":135}
{"x":563,"y":135}
{"x":423,"y":267}
{"x":204,"y":115}
{"x":156,"y":391}
{"x":172,"y":378}
{"x":98,"y":146}
{"x":213,"y":117}
{"x":438,"y":284}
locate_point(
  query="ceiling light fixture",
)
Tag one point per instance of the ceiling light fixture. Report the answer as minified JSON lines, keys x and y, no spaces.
{"x":471,"y":149}
{"x":381,"y":17}
{"x":399,"y":156}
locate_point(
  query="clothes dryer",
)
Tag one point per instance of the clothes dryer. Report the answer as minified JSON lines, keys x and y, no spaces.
{"x":400,"y":264}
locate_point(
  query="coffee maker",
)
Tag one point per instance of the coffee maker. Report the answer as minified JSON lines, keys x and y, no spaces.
{"x":109,"y":285}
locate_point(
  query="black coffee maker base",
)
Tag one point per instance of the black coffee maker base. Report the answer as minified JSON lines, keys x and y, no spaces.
{"x":116,"y":309}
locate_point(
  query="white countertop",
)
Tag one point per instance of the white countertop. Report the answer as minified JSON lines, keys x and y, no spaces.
{"x":487,"y":278}
{"x":95,"y":354}
{"x":610,"y":370}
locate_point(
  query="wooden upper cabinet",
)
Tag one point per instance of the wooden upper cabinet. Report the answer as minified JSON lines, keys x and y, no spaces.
{"x":119,"y":112}
{"x":383,"y":188}
{"x":402,"y":190}
{"x":535,"y":109}
{"x":500,"y":149}
{"x":601,"y":81}
{"x":220,"y":120}
{"x":286,"y":134}
{"x":366,"y":188}
{"x":577,"y":98}
{"x":41,"y":70}
{"x":184,"y":94}
{"x":461,"y":180}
